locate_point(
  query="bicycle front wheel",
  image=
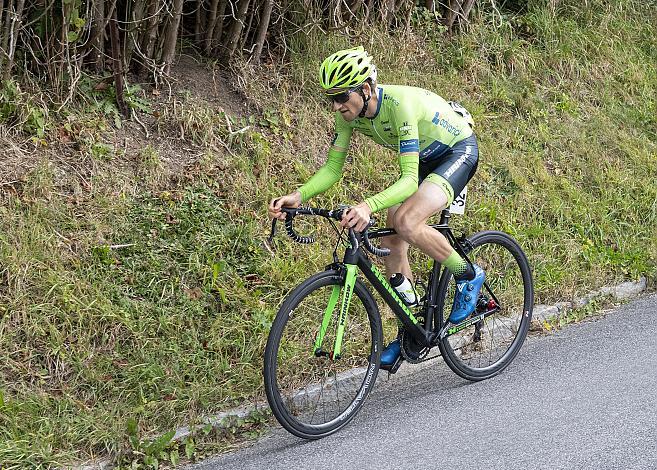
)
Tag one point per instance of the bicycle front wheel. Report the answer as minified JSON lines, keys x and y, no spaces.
{"x":311,"y":392}
{"x":487,"y":347}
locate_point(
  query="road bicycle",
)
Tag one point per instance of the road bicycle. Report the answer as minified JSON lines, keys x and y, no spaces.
{"x":324,"y":347}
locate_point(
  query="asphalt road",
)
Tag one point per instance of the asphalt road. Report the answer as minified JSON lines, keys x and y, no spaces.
{"x":584,"y":397}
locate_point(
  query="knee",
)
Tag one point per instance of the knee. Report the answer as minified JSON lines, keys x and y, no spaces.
{"x":406,"y":226}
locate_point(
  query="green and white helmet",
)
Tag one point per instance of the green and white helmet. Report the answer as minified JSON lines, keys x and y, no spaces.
{"x":346,"y":69}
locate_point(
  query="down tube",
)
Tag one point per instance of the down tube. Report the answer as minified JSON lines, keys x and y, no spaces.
{"x":380,"y":283}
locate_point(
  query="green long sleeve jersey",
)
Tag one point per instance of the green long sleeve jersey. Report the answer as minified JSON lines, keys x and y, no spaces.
{"x":418,"y":124}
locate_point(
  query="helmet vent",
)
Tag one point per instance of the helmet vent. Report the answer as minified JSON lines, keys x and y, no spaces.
{"x":331,"y":76}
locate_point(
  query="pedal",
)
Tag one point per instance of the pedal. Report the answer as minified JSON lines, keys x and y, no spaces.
{"x":392,"y":368}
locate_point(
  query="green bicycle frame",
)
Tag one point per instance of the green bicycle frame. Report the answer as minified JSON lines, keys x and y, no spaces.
{"x":353,"y":261}
{"x":347,"y":292}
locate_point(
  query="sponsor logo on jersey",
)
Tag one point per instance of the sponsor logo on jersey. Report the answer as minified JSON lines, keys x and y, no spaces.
{"x":406,"y":146}
{"x":405,"y":130}
{"x":445,"y":124}
{"x":390,"y":98}
{"x":449,"y":127}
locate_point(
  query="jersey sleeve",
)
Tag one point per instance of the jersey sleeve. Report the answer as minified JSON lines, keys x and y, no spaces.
{"x":409,"y":160}
{"x":331,"y":171}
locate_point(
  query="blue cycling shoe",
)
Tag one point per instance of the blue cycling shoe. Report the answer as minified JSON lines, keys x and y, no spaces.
{"x":467,"y":293}
{"x":391,"y":353}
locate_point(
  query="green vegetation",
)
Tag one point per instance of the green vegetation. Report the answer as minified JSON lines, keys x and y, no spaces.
{"x":135,"y":295}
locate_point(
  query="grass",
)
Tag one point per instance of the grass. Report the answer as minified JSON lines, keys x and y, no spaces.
{"x":133,"y":291}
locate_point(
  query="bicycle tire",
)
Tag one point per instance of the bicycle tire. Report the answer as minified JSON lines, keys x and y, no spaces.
{"x":509,"y":277}
{"x":338,"y":386}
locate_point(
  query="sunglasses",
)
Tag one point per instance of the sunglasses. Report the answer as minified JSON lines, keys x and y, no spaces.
{"x":343,"y":97}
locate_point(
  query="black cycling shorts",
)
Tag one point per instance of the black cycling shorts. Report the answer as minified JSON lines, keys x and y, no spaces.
{"x":453,"y":170}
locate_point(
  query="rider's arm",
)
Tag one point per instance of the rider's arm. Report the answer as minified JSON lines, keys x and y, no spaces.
{"x":331,"y":171}
{"x":404,"y":187}
{"x":409,"y":158}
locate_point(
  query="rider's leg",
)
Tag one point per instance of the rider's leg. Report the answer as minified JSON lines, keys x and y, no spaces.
{"x":397,"y":260}
{"x":433,"y":200}
{"x":440,"y":184}
{"x":410,"y":223}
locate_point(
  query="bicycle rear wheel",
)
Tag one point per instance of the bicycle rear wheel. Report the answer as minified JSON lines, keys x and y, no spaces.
{"x":314,"y":395}
{"x":487,"y":347}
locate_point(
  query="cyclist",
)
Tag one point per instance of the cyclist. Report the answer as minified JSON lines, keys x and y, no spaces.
{"x":437,"y":150}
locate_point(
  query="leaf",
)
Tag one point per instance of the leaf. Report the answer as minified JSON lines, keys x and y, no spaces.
{"x":72,"y":36}
{"x":152,"y":461}
{"x":218,"y":268}
{"x":131,"y":426}
{"x":189,"y":449}
{"x":140,"y":105}
{"x":222,"y":294}
{"x":287,"y":120}
{"x":174,"y":457}
{"x":194,"y":294}
{"x":161,"y":443}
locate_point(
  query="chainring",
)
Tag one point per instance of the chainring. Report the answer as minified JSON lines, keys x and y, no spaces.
{"x":411,"y":350}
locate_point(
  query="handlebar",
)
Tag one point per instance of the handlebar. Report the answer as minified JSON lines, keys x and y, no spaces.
{"x":335,"y":214}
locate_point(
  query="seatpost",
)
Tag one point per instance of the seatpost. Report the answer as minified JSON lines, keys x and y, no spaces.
{"x":444,"y":217}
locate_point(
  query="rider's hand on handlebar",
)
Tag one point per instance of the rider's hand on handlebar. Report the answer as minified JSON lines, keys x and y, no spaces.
{"x":289,"y":200}
{"x":357,"y":217}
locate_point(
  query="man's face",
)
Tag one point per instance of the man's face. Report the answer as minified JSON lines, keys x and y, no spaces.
{"x":351,"y":108}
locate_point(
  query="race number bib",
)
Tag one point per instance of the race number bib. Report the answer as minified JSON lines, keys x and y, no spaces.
{"x":458,"y":206}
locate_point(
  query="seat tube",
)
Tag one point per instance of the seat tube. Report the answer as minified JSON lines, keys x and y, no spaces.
{"x":347,"y":291}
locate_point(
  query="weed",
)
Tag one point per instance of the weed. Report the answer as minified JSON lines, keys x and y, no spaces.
{"x":102,"y":97}
{"x":20,"y":110}
{"x":149,"y":158}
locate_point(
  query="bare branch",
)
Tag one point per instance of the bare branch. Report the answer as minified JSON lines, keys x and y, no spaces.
{"x":262,"y":29}
{"x":171,"y":36}
{"x":117,"y":63}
